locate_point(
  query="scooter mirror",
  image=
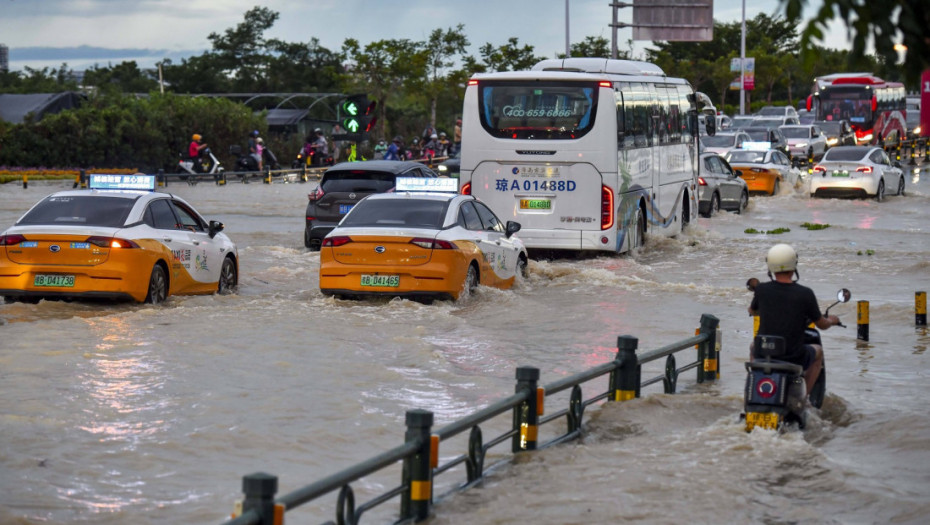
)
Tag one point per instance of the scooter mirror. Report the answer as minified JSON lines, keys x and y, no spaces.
{"x":843,"y":295}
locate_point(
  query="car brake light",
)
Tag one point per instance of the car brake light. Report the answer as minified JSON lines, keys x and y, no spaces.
{"x":11,"y":240}
{"x":701,"y":181}
{"x":111,"y":242}
{"x":607,"y":208}
{"x":433,"y":244}
{"x":819,"y":168}
{"x":315,"y":195}
{"x":466,"y":189}
{"x":864,"y":169}
{"x":338,"y":240}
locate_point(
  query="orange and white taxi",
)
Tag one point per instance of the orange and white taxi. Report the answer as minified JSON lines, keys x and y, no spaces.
{"x":421,"y":241}
{"x":765,"y":170}
{"x":117,"y":240}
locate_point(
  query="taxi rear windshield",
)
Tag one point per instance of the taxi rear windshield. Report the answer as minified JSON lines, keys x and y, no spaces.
{"x":411,"y":213}
{"x":109,"y":212}
{"x":537,"y":110}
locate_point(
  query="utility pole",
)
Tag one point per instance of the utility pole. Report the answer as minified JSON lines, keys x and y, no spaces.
{"x":568,"y":47}
{"x":742,"y":64}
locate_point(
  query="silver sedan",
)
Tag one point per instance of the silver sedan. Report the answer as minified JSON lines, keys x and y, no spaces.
{"x":856,"y":171}
{"x":719,"y":187}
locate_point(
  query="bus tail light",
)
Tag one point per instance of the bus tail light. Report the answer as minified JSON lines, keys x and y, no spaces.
{"x":607,"y":208}
{"x":809,"y":101}
{"x":466,"y":189}
{"x":874,"y":102}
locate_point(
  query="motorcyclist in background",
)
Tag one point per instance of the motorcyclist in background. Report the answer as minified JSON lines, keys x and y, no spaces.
{"x":194,"y":151}
{"x":785,"y":308}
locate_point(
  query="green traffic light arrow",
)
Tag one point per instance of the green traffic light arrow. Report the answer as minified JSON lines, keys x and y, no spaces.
{"x":351,"y":108}
{"x":352,"y":125}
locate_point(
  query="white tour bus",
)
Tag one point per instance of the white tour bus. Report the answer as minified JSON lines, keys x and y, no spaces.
{"x":585,"y":153}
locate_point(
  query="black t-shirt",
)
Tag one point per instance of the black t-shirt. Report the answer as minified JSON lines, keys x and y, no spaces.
{"x":785,"y":310}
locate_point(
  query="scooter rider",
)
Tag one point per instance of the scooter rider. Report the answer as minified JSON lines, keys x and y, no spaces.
{"x":194,"y":150}
{"x":785,"y":308}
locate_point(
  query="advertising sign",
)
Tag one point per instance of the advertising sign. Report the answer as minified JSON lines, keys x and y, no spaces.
{"x":925,"y":104}
{"x":749,"y":74}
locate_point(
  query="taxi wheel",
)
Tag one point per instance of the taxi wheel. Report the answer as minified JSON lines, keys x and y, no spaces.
{"x":775,"y":187}
{"x":523,"y":268}
{"x":158,"y":286}
{"x":228,"y":277}
{"x":471,"y":282}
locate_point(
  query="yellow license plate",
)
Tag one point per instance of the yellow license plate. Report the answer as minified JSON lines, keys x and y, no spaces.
{"x":767,"y":420}
{"x":535,"y":204}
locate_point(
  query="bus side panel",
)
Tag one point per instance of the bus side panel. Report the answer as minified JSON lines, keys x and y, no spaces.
{"x":676,"y":185}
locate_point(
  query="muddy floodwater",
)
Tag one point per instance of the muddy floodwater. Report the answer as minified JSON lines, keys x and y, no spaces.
{"x":122,"y":413}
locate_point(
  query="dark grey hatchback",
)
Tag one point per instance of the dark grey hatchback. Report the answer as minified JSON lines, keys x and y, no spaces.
{"x":346,"y":183}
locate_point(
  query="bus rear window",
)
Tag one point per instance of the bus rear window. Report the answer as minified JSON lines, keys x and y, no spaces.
{"x":537,"y":110}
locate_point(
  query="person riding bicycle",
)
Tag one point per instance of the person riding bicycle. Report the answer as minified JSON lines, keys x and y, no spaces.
{"x":195,"y":150}
{"x":785,"y":308}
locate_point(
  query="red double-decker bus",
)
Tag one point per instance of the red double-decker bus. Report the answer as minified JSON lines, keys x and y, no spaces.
{"x":875,"y":109}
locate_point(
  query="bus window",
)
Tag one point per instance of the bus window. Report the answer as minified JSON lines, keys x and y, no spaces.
{"x":621,"y":120}
{"x":687,"y":115}
{"x":537,"y":110}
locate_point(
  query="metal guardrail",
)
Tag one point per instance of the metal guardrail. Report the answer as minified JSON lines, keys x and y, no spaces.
{"x":420,"y":451}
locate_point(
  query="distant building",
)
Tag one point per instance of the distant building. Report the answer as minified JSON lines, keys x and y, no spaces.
{"x":4,"y":58}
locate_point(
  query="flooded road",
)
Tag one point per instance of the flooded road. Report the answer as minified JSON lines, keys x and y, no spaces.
{"x":116,"y":413}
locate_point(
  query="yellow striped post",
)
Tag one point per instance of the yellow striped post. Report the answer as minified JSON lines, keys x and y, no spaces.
{"x":526,"y":414}
{"x":920,"y":308}
{"x":624,"y":379}
{"x":417,"y":472}
{"x":862,"y":320}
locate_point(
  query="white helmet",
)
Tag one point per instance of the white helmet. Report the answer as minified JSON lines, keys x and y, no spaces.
{"x":782,"y":258}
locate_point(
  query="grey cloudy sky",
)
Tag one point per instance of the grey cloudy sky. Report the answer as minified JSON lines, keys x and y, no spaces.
{"x":149,"y":30}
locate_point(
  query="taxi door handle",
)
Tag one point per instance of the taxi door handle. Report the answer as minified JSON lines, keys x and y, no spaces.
{"x":196,"y":243}
{"x":167,"y":239}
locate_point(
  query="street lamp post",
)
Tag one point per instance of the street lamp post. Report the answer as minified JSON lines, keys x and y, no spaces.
{"x":742,"y":64}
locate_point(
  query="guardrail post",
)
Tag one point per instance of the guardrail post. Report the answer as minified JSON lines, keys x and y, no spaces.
{"x":624,"y":379}
{"x":303,"y":173}
{"x":417,"y":474}
{"x":162,"y":180}
{"x":83,"y":175}
{"x":259,"y":490}
{"x":920,"y":308}
{"x":25,"y":181}
{"x":526,"y":414}
{"x":267,"y":175}
{"x":707,"y":351}
{"x":862,"y":320}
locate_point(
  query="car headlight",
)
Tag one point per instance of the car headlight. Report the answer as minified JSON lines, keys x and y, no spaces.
{"x":917,"y":130}
{"x":831,"y":142}
{"x":443,"y":168}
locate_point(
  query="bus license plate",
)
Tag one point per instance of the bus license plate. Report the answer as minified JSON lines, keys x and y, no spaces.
{"x":59,"y":281}
{"x":535,"y":204}
{"x":767,"y":420}
{"x":390,"y":281}
{"x":344,"y":208}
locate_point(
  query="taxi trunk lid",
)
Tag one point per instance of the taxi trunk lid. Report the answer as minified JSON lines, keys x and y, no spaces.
{"x":407,"y":249}
{"x":60,"y":249}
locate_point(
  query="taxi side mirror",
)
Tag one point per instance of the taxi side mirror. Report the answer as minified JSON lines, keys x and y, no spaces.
{"x":512,"y":228}
{"x":215,"y":227}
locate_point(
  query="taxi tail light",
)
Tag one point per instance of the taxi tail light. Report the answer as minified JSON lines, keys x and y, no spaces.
{"x":11,"y":240}
{"x":701,"y":181}
{"x":864,"y":169}
{"x":315,"y":195}
{"x":466,"y":189}
{"x":338,"y":240}
{"x":607,"y":208}
{"x":112,"y":242}
{"x":433,"y":244}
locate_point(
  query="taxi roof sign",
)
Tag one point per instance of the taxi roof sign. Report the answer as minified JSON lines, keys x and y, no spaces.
{"x":438,"y":185}
{"x":757,"y":146}
{"x":136,"y":181}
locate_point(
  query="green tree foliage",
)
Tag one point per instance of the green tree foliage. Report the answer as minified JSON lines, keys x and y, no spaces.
{"x":507,"y":57}
{"x":883,"y":22}
{"x":43,"y":80}
{"x":125,"y":77}
{"x":111,"y":131}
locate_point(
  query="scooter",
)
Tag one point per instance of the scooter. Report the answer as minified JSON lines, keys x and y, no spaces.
{"x":311,"y":160}
{"x":775,"y":390}
{"x":209,"y":164}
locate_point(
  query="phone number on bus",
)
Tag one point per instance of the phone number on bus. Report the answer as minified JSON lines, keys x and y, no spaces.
{"x":535,"y":185}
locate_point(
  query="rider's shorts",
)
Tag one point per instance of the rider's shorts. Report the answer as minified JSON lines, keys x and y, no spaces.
{"x":807,"y":359}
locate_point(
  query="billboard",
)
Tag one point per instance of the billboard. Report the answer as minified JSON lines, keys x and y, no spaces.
{"x":673,"y":20}
{"x":749,"y":74}
{"x":925,"y":104}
